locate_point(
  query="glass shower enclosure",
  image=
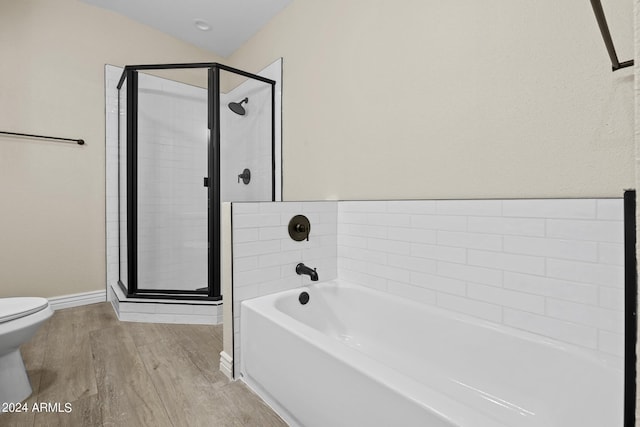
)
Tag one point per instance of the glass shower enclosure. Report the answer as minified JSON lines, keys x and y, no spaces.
{"x":190,"y":136}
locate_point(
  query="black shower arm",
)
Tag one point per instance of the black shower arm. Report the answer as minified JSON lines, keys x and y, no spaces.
{"x":606,"y":36}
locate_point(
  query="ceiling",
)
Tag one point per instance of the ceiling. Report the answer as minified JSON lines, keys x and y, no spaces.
{"x":231,"y":22}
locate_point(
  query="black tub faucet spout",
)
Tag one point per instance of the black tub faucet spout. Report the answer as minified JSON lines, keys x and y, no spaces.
{"x":311,"y":272}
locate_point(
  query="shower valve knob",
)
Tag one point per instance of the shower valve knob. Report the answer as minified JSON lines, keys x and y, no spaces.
{"x":245,"y":176}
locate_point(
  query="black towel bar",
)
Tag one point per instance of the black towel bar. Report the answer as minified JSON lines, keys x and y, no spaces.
{"x":54,"y":138}
{"x":606,"y":36}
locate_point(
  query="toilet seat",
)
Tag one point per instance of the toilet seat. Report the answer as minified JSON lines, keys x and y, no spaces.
{"x":15,"y":308}
{"x":20,"y":318}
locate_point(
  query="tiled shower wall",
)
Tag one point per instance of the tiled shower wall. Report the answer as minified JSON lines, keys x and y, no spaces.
{"x":552,"y":267}
{"x":112,"y":75}
{"x":245,"y":142}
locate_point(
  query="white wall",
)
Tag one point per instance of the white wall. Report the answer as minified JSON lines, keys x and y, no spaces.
{"x":458,"y":99}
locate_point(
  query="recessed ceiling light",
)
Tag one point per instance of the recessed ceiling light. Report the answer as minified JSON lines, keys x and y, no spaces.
{"x":202,"y":25}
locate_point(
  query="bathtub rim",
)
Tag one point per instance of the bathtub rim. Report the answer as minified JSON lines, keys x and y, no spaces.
{"x":268,"y":301}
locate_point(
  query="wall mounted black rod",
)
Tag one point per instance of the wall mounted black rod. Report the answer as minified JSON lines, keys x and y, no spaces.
{"x":54,"y":138}
{"x":606,"y":36}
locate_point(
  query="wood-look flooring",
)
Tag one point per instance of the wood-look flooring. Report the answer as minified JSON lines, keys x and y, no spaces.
{"x":131,"y":374}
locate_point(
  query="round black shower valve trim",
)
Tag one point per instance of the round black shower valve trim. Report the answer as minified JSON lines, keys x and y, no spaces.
{"x":299,"y":228}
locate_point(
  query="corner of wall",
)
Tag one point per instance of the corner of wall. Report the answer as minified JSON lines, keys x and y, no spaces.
{"x":226,"y":264}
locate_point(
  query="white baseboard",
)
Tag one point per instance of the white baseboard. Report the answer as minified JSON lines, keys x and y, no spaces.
{"x":226,"y":365}
{"x":75,"y":300}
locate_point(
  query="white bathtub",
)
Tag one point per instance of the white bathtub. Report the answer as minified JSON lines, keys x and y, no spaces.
{"x":357,"y":357}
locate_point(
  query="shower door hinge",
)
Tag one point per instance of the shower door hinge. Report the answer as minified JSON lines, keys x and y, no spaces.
{"x":206,"y":181}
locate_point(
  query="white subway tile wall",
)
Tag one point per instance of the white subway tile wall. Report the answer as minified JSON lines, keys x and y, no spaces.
{"x":553,"y":267}
{"x":112,"y":76}
{"x":245,"y":142}
{"x":265,"y":257}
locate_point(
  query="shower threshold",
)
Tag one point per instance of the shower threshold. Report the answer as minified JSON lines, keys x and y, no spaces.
{"x":133,"y":309}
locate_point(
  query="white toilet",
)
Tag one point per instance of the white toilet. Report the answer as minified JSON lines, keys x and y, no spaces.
{"x":20,"y":318}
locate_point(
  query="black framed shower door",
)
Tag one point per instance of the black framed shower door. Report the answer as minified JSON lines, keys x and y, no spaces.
{"x":128,"y":179}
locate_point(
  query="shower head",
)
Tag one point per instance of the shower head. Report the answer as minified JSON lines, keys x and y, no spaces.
{"x":237,"y":107}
